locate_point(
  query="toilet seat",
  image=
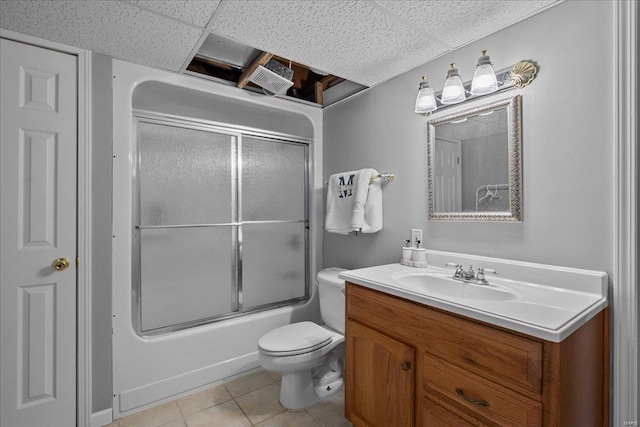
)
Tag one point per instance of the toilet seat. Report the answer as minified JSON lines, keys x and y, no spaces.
{"x":294,"y":339}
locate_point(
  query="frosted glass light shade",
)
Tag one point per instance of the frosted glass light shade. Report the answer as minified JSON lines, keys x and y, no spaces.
{"x":484,"y":80}
{"x":453,"y":91}
{"x":426,"y":100}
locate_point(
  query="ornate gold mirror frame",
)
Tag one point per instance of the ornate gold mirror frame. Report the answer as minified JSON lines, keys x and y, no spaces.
{"x":514,"y":146}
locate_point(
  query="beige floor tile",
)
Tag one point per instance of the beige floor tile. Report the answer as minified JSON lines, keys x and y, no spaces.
{"x":330,"y":413}
{"x":175,"y":423}
{"x":290,"y":419}
{"x":203,"y":400}
{"x":275,"y":377}
{"x":261,"y":404}
{"x":113,"y":424}
{"x":248,"y":383}
{"x":227,"y":414}
{"x":154,"y":417}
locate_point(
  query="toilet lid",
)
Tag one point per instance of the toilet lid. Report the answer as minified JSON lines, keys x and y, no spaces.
{"x":296,"y":338}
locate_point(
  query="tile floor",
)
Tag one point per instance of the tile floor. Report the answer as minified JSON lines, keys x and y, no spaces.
{"x":252,"y":400}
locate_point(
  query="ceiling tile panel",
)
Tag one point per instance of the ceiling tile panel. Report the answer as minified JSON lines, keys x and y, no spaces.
{"x":460,"y":22}
{"x":196,"y":12}
{"x":352,"y":39}
{"x":116,"y":29}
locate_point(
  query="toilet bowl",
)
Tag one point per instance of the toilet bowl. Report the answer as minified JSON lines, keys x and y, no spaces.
{"x":309,"y":357}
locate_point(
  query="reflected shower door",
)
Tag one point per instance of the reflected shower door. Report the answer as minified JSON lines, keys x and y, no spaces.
{"x":187,"y":210}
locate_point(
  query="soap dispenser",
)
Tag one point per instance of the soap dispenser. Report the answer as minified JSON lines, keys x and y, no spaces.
{"x":407,"y":253}
{"x":419,"y":255}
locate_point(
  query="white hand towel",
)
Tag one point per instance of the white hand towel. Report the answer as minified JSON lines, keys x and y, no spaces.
{"x":354,"y":202}
{"x":360,"y":220}
{"x":373,"y":206}
{"x":340,"y":202}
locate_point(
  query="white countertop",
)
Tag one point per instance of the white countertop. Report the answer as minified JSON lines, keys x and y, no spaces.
{"x":551,"y":308}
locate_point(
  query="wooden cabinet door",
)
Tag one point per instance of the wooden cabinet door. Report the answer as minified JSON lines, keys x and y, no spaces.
{"x":380,"y":378}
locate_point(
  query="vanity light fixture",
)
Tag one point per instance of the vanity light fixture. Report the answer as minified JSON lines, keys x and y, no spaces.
{"x":426,"y":99}
{"x":485,"y":81}
{"x":453,"y":91}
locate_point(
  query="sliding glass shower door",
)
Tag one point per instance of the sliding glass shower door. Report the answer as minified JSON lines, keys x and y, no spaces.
{"x":274,"y":221}
{"x":221,"y":224}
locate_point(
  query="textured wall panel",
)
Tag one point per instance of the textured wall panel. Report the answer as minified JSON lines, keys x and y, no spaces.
{"x":116,"y":29}
{"x":353,"y":39}
{"x":195,"y":12}
{"x":460,"y":22}
{"x":366,"y":42}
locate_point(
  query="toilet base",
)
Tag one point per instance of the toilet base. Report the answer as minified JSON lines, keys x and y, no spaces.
{"x":306,"y":391}
{"x":325,"y":391}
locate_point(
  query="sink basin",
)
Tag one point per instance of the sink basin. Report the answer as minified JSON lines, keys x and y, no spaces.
{"x":436,"y":285}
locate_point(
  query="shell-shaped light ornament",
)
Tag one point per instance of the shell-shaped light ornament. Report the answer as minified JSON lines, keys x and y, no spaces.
{"x":522,"y":73}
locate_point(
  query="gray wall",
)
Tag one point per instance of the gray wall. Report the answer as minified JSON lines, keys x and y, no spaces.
{"x":101,"y":233}
{"x":567,"y":148}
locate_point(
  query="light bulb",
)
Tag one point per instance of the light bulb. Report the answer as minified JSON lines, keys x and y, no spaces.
{"x":453,"y":91}
{"x":484,"y":79}
{"x":426,"y":99}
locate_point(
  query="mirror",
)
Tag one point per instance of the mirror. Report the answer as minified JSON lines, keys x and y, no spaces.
{"x":474,"y":164}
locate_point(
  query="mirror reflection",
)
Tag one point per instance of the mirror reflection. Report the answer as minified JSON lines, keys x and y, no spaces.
{"x":474,"y":164}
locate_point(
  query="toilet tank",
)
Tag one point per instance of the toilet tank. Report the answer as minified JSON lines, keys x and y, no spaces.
{"x":331,"y":290}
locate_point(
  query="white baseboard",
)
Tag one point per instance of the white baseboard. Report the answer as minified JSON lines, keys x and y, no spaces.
{"x":102,"y":418}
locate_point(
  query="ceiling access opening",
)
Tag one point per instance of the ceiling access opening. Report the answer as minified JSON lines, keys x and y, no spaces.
{"x":230,"y":62}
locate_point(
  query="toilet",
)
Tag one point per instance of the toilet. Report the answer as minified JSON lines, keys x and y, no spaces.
{"x":309,"y":357}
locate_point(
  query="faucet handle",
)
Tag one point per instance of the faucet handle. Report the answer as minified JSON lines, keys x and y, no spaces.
{"x":459,"y":272}
{"x":481,"y":271}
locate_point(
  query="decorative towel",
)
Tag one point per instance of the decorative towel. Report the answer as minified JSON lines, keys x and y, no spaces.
{"x":373,"y":206}
{"x":354,"y":203}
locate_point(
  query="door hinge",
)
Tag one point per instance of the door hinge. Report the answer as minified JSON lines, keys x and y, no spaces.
{"x":77,"y":262}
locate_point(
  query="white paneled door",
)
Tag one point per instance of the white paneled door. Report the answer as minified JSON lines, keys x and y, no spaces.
{"x":447,"y":176}
{"x":38,"y":236}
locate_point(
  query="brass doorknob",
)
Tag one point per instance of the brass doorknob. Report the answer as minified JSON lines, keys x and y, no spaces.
{"x":60,"y":264}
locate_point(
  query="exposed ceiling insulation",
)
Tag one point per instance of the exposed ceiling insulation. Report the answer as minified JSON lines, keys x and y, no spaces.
{"x":364,"y":42}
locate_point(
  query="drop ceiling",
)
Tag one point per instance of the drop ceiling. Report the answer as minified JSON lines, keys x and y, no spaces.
{"x":364,"y":42}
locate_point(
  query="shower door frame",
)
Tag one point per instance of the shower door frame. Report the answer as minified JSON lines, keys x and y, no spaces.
{"x":237,"y":132}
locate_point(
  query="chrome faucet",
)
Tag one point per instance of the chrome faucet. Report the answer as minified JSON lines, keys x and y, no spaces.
{"x":470,"y":276}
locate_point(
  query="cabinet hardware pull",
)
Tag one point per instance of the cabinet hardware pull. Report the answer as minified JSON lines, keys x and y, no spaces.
{"x":405,"y":366}
{"x":471,"y":400}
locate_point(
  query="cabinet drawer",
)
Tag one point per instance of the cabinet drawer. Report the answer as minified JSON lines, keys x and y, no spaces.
{"x":481,"y":397}
{"x":435,"y":415}
{"x":503,"y":357}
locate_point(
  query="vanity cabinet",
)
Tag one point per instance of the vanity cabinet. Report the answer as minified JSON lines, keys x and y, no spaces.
{"x":408,"y":364}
